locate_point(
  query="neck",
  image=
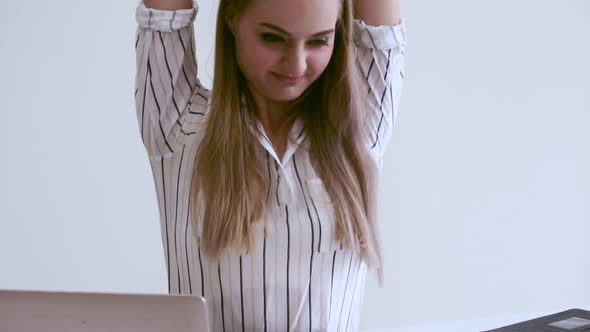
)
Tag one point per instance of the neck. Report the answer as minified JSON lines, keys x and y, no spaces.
{"x":272,"y":115}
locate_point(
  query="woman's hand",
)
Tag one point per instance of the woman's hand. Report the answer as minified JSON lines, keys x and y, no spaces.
{"x":378,"y":12}
{"x":168,"y":4}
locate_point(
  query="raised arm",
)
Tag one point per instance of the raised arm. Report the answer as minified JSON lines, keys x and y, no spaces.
{"x":378,"y":12}
{"x":170,"y":100}
{"x":168,"y":4}
{"x":380,"y":39}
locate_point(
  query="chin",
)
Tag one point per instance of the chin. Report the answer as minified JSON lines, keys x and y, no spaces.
{"x":285,"y":94}
{"x":286,"y":97}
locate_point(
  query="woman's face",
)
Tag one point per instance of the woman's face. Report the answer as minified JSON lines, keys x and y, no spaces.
{"x":283,"y":46}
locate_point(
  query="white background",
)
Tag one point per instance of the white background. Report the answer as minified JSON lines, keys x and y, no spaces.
{"x":485,"y":191}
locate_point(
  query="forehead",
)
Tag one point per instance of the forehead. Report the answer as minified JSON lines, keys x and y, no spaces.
{"x":299,"y":17}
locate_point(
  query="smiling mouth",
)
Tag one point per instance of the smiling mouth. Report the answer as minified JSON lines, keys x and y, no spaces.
{"x":289,"y":80}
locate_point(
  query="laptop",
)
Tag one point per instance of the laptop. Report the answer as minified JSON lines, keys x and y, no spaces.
{"x":30,"y":311}
{"x":565,"y":321}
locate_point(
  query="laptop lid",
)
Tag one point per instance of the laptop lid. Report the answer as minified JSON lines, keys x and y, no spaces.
{"x":30,"y":311}
{"x":566,"y":321}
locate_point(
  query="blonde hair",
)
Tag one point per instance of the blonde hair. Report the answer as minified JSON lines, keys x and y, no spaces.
{"x":230,"y":176}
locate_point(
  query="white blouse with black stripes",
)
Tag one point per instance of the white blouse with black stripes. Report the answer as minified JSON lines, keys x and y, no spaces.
{"x":299,"y":278}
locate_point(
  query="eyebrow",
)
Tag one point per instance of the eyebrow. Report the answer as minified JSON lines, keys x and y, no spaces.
{"x":283,"y":31}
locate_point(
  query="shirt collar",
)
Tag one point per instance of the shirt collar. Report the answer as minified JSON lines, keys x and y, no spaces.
{"x":296,"y":135}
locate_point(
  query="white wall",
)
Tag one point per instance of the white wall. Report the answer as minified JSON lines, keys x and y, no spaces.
{"x":485,"y":190}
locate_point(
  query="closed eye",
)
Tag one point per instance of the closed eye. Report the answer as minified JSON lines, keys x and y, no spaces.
{"x":320,"y":42}
{"x":272,"y":38}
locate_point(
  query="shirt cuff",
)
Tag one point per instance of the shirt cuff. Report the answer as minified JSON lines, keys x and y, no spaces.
{"x":165,"y":20}
{"x":379,"y":37}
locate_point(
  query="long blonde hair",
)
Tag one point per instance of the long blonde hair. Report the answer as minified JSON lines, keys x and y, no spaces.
{"x":229,"y":170}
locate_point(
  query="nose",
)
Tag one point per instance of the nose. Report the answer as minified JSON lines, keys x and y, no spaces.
{"x":296,"y":61}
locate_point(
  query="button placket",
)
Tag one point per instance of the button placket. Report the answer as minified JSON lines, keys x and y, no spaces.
{"x":286,"y":186}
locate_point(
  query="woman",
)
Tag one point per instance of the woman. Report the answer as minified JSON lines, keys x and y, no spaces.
{"x":266,"y":184}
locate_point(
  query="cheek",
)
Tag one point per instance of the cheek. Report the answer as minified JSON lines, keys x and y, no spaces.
{"x":259,"y":59}
{"x":318,"y":62}
{"x":263,"y":58}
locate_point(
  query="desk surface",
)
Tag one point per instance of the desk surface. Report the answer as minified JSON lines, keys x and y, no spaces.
{"x":474,"y":325}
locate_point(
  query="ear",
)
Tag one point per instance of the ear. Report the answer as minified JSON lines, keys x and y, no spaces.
{"x":230,"y":19}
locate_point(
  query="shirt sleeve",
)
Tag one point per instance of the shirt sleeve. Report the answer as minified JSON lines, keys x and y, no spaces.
{"x":169,"y":98}
{"x":380,"y":57}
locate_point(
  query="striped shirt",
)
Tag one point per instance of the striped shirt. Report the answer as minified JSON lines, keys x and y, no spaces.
{"x":299,"y":277}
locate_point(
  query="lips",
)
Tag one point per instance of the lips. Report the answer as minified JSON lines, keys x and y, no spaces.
{"x":289,"y":80}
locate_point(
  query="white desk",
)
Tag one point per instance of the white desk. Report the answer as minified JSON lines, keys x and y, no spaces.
{"x":477,"y":325}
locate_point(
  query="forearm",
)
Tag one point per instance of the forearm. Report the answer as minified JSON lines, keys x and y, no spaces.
{"x":378,"y":12}
{"x":168,"y":4}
